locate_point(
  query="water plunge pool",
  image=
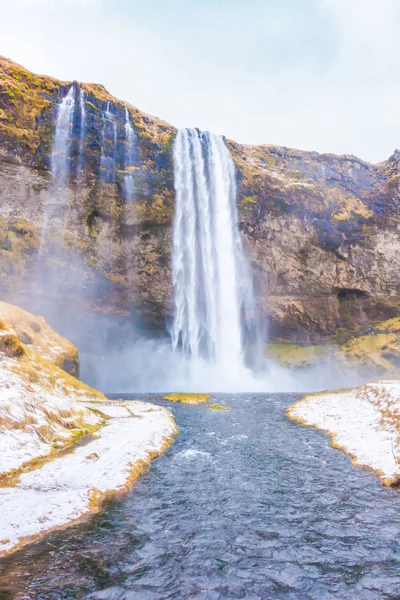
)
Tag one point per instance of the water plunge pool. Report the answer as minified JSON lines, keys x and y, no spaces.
{"x":245,"y":504}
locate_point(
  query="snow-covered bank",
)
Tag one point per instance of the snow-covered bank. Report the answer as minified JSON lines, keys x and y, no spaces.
{"x":47,"y":481}
{"x":72,"y":486}
{"x":40,"y":406}
{"x":363,"y":422}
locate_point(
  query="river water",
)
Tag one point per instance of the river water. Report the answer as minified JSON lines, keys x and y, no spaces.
{"x":245,"y":504}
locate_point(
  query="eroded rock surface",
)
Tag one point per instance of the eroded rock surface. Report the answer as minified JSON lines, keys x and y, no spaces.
{"x":321,"y":230}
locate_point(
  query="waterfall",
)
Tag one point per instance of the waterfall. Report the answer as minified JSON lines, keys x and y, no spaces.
{"x":129,"y":156}
{"x":212,"y":284}
{"x":82,"y":110}
{"x":60,"y":159}
{"x":61,"y":150}
{"x":108,"y":146}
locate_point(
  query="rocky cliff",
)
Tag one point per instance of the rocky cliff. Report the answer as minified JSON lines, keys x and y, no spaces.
{"x":322,"y":231}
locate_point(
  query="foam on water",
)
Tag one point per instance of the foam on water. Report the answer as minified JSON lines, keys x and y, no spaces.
{"x":213,"y":291}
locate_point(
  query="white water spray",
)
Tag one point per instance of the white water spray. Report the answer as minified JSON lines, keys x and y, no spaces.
{"x":60,"y":159}
{"x":61,"y":150}
{"x":212,"y":286}
{"x":108,"y":145}
{"x":129,"y":156}
{"x":82,"y":110}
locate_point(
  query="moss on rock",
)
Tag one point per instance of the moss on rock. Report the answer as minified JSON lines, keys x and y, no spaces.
{"x":378,"y":350}
{"x":188,"y":398}
{"x":19,"y":244}
{"x":296,"y":356}
{"x":39,"y":337}
{"x":10,"y":344}
{"x":218,"y":407}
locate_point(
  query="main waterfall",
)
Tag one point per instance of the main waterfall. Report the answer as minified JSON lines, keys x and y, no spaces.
{"x":212,"y":285}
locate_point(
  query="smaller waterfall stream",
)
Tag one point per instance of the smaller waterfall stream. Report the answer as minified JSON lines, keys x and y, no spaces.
{"x":129,"y":156}
{"x":108,"y":146}
{"x":60,"y":154}
{"x":60,"y":159}
{"x":212,"y":284}
{"x":82,"y":134}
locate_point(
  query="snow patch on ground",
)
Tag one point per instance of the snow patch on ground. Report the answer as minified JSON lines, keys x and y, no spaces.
{"x":364,"y":422}
{"x":47,"y":479}
{"x":34,"y":415}
{"x":71,"y":486}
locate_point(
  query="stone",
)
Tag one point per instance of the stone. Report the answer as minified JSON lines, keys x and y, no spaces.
{"x":315,"y":226}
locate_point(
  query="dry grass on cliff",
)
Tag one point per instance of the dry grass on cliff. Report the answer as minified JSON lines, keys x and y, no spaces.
{"x":26,"y":96}
{"x":36,"y":334}
{"x":348,"y":207}
{"x":23,"y":97}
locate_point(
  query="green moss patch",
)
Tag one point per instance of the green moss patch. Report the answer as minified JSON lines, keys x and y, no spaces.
{"x":188,"y":398}
{"x":381,"y":350}
{"x":295,"y":356}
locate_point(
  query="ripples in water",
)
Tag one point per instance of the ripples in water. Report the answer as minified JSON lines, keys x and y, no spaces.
{"x":245,"y":504}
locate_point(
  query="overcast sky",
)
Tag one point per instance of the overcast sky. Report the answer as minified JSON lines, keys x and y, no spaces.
{"x":313,"y":74}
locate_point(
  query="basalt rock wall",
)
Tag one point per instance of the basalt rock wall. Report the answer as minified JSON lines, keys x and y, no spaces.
{"x":321,"y":231}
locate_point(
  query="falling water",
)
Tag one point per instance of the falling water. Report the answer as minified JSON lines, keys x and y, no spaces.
{"x":212,"y":285}
{"x":60,"y":154}
{"x":60,"y":158}
{"x":129,"y":156}
{"x":82,"y":110}
{"x":108,"y":145}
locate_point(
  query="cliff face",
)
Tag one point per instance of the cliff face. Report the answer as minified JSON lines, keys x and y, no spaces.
{"x":321,"y":230}
{"x":117,"y":251}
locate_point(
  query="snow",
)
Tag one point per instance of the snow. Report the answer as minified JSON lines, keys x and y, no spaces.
{"x":32,"y":415}
{"x":41,"y":410}
{"x":73,"y":485}
{"x":46,"y":481}
{"x":364,"y":422}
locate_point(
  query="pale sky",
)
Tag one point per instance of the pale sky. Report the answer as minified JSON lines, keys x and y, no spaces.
{"x":312,"y":74}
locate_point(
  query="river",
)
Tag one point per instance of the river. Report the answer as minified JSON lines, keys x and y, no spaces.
{"x":245,"y":504}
